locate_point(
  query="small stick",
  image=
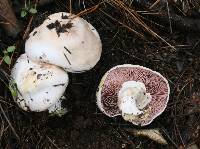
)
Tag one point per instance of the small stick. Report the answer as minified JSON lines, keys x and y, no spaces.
{"x":52,"y":143}
{"x":169,"y":16}
{"x":9,"y":122}
{"x":154,"y":4}
{"x":27,"y":28}
{"x":70,"y":6}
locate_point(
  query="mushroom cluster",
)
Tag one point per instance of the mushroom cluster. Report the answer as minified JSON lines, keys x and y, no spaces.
{"x":137,"y":93}
{"x":62,"y":43}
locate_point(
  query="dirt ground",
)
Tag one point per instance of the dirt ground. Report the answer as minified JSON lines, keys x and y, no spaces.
{"x":84,"y":126}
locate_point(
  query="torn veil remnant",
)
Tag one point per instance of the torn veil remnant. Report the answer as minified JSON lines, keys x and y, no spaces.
{"x":135,"y":92}
{"x":67,"y":41}
{"x":8,"y":19}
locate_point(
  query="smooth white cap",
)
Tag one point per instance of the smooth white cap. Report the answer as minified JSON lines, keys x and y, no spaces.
{"x":66,"y":41}
{"x":39,"y":85}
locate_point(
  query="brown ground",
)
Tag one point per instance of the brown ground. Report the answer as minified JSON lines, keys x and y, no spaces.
{"x":84,"y":126}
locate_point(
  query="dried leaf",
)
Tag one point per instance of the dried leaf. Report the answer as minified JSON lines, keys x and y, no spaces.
{"x":153,"y":134}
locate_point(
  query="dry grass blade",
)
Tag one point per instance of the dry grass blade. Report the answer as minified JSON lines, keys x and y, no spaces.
{"x":70,"y":6}
{"x":4,"y":23}
{"x":169,"y":16}
{"x":129,"y":28}
{"x":4,"y":114}
{"x":154,"y":4}
{"x":2,"y":129}
{"x":4,"y":77}
{"x":7,"y":15}
{"x":136,"y":20}
{"x":52,"y":143}
{"x":28,"y":28}
{"x":169,"y":138}
{"x":8,"y":21}
{"x":86,"y":11}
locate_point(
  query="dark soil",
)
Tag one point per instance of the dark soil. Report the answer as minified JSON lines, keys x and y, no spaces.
{"x":84,"y":126}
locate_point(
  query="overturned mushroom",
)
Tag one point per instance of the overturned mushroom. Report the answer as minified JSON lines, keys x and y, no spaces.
{"x":67,"y":41}
{"x":39,"y":85}
{"x":135,"y":92}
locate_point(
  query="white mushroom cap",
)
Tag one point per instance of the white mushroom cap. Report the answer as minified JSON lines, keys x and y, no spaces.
{"x":66,"y":41}
{"x":39,"y":85}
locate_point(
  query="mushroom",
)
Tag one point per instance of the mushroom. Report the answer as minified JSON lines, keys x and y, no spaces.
{"x":137,"y":93}
{"x":39,"y":85}
{"x":67,"y":41}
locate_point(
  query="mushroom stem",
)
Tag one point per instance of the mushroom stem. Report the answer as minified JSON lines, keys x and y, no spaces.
{"x":128,"y":106}
{"x":133,"y":98}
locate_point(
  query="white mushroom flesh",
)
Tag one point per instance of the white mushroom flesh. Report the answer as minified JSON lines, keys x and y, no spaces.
{"x":133,"y":98}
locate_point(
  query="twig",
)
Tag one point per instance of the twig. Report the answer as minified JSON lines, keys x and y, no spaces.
{"x":86,"y":11}
{"x":2,"y":129}
{"x":169,"y":17}
{"x":8,"y":21}
{"x":27,"y":28}
{"x":52,"y":143}
{"x":137,"y":33}
{"x":171,"y":140}
{"x":9,"y":122}
{"x":1,"y":100}
{"x":154,"y":4}
{"x":4,"y":23}
{"x":7,"y":14}
{"x":137,"y":20}
{"x":179,"y":134}
{"x":70,"y":6}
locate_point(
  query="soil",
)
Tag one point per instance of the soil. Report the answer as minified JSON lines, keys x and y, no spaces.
{"x":84,"y":126}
